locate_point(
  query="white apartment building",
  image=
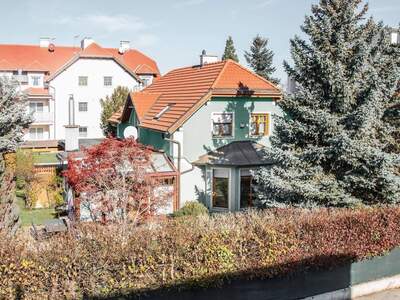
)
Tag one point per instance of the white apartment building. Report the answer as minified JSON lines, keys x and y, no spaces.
{"x":51,"y":75}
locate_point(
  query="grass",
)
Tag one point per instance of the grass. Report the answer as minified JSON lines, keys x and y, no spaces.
{"x":45,"y":157}
{"x":35,"y":216}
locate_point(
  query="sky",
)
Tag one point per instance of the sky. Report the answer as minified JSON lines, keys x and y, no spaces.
{"x":173,"y":32}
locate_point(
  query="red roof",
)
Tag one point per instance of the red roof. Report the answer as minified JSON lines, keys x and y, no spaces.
{"x":185,"y":90}
{"x":36,"y":92}
{"x":36,"y":58}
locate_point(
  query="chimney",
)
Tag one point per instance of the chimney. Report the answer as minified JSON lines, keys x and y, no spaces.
{"x":86,"y":42}
{"x":124,"y":46}
{"x":44,"y":42}
{"x":207,"y":58}
{"x":71,"y":130}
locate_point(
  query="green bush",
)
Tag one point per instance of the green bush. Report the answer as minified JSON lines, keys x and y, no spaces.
{"x":191,"y":208}
{"x":20,"y":194}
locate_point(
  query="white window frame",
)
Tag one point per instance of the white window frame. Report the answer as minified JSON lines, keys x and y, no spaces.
{"x":269,"y":122}
{"x":232,"y":136}
{"x":79,"y":106}
{"x":111,"y":81}
{"x":35,"y":78}
{"x":229,"y":189}
{"x":35,"y":129}
{"x":36,"y":106}
{"x":80,"y":133}
{"x":79,"y":80}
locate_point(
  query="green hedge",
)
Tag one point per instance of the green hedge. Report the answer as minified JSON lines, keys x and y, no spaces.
{"x":95,"y":260}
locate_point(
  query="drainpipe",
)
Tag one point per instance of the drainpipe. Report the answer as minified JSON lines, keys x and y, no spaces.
{"x":179,"y":171}
{"x":54,"y":119}
{"x":179,"y":152}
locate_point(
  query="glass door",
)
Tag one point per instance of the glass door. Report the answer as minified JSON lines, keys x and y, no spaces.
{"x":220,"y":192}
{"x":246,"y":189}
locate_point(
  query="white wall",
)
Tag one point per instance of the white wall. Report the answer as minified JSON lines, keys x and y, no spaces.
{"x":67,"y":83}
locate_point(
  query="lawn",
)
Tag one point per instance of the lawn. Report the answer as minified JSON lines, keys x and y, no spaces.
{"x":35,"y":216}
{"x":45,"y":157}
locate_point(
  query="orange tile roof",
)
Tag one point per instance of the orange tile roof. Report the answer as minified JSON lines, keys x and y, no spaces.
{"x":187,"y":89}
{"x":36,"y":92}
{"x":142,"y":101}
{"x":35,"y":58}
{"x":115,"y":117}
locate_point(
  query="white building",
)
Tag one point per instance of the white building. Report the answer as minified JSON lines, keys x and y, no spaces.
{"x":50,"y":75}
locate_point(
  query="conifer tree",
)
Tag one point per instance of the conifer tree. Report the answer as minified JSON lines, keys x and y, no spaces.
{"x":230,"y":51}
{"x":13,"y":121}
{"x":331,"y":148}
{"x":260,"y":59}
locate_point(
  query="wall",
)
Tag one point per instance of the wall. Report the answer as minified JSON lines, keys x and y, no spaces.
{"x":198,"y":140}
{"x":197,"y":130}
{"x":67,"y":83}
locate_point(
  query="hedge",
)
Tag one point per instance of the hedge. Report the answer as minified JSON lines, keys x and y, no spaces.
{"x":95,"y":260}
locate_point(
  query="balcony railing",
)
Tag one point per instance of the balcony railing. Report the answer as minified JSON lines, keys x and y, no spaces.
{"x":42,"y":117}
{"x":21,"y":78}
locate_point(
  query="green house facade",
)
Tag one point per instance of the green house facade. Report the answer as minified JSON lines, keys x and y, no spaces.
{"x":215,"y":140}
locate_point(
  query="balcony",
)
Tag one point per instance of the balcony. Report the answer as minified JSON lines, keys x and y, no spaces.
{"x":23,"y":79}
{"x":43,"y":117}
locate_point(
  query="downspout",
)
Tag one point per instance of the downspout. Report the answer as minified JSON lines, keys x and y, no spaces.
{"x":179,"y":152}
{"x":54,"y":120}
{"x":179,"y":170}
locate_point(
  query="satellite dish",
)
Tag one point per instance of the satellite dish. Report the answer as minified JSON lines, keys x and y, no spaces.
{"x":131,"y":132}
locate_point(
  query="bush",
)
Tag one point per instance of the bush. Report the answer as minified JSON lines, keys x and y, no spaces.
{"x":191,"y":208}
{"x":185,"y":252}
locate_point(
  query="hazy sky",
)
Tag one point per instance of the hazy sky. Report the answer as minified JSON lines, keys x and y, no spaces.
{"x":173,"y":32}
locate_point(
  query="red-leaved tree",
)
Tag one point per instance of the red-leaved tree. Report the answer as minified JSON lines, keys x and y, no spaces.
{"x":113,"y":181}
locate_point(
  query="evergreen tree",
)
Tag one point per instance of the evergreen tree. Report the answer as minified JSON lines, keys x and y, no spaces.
{"x":332,"y":148}
{"x":260,"y":59}
{"x":230,"y":51}
{"x":111,"y":105}
{"x":13,"y":121}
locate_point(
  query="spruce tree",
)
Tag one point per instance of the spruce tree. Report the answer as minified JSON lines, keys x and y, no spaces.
{"x":230,"y":51}
{"x":13,"y":120}
{"x":110,"y":105}
{"x":260,"y":59}
{"x":332,"y":148}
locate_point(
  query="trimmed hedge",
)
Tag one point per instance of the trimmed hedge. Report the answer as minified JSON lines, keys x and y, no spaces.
{"x":204,"y":251}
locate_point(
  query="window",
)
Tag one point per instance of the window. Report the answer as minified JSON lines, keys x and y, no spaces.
{"x":83,"y":106}
{"x":35,"y":80}
{"x":107,"y":81}
{"x":246,"y":189}
{"x":222,"y":124}
{"x":82,"y":131}
{"x":36,"y":133}
{"x":260,"y":124}
{"x":83,"y":80}
{"x":35,"y":107}
{"x":220,"y":193}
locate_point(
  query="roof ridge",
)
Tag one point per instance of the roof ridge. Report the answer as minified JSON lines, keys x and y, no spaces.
{"x":220,"y":73}
{"x":254,"y":73}
{"x":194,"y":66}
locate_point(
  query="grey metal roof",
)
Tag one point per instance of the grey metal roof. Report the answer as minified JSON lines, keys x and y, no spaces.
{"x":240,"y":153}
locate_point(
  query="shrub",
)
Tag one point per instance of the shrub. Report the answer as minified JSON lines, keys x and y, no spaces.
{"x":185,"y":252}
{"x":191,"y":208}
